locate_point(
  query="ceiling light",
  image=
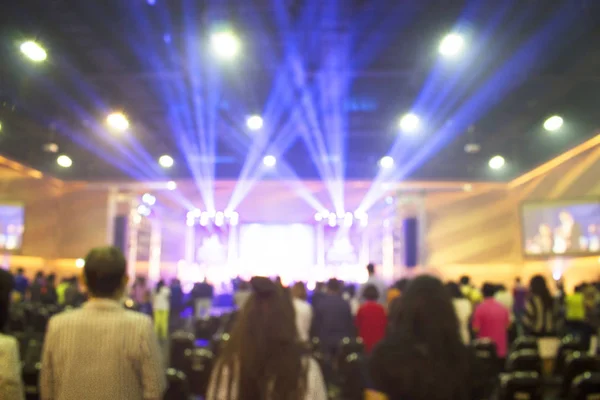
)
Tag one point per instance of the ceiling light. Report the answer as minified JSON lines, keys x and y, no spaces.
{"x":166,"y":161}
{"x":254,"y":122}
{"x":269,"y":161}
{"x":451,"y":45}
{"x":148,"y":199}
{"x":386,"y":162}
{"x":64,"y":161}
{"x":409,"y":123}
{"x":496,"y":162}
{"x":33,"y":51}
{"x":117,"y":121}
{"x":553,"y":123}
{"x":171,"y":185}
{"x":225,"y":44}
{"x":80,"y":263}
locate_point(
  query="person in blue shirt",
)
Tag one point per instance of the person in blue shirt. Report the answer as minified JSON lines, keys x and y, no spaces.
{"x":21,"y":282}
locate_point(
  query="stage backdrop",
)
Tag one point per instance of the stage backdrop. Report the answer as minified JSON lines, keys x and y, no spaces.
{"x":277,"y":250}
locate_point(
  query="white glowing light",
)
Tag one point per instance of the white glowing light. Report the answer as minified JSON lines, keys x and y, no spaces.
{"x":64,"y":161}
{"x":254,"y":122}
{"x":33,"y":51}
{"x":117,"y":121}
{"x":553,"y":123}
{"x":225,"y":44}
{"x":496,"y":162}
{"x":148,"y":199}
{"x":166,"y":161}
{"x":80,"y":263}
{"x":386,"y":162}
{"x":171,"y":185}
{"x":318,"y":217}
{"x":269,"y":161}
{"x":451,"y":45}
{"x":409,"y":123}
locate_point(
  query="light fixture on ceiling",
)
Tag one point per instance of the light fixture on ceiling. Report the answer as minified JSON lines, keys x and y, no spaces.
{"x":553,"y":123}
{"x":64,"y":161}
{"x":451,"y":45}
{"x":171,"y":185}
{"x":166,"y":161}
{"x":497,"y":162}
{"x":386,"y":162}
{"x":225,"y":44}
{"x":254,"y":122}
{"x":34,"y":51}
{"x":409,"y":123}
{"x":117,"y":121}
{"x":269,"y":161}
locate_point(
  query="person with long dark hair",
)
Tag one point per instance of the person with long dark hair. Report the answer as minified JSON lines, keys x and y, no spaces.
{"x":463,"y":309}
{"x":540,"y":316}
{"x":264,"y":359}
{"x":423,"y":356}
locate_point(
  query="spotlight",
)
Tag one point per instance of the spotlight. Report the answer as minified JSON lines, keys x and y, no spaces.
{"x":234,"y":219}
{"x":64,"y":161}
{"x":451,"y":45}
{"x":386,"y":162}
{"x":225,"y":44}
{"x":553,"y":123}
{"x":195,"y":213}
{"x":318,"y":217}
{"x":166,"y":161}
{"x":332,"y":220}
{"x":151,"y":2}
{"x":254,"y":122}
{"x":148,"y":199}
{"x":348,"y":219}
{"x":117,"y":121}
{"x":143,"y":210}
{"x":219,"y":218}
{"x":33,"y":51}
{"x":364,"y":221}
{"x":325,"y":213}
{"x":496,"y":162}
{"x":80,"y":263}
{"x":171,"y":185}
{"x":269,"y":161}
{"x":409,"y":123}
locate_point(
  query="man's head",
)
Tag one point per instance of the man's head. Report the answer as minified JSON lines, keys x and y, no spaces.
{"x":518,"y":280}
{"x":334,"y":286}
{"x":105,"y":272}
{"x":371,"y":268}
{"x":20,"y":271}
{"x":465,"y":280}
{"x":488,"y":290}
{"x":370,"y":293}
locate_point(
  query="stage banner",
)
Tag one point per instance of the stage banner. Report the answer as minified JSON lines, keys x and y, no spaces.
{"x":211,"y":244}
{"x":144,"y":233}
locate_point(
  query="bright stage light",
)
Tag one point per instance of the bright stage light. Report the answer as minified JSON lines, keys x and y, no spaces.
{"x":386,"y":162}
{"x":409,"y":123}
{"x":80,"y":263}
{"x":325,"y":213}
{"x":166,"y":161}
{"x":33,"y":51}
{"x":64,"y":161}
{"x":219,"y":218}
{"x":496,"y":162}
{"x":117,"y":121}
{"x":348,"y":219}
{"x":254,"y":122}
{"x":318,"y":217}
{"x":332,"y":220}
{"x":269,"y":161}
{"x":189,"y":222}
{"x":171,"y":185}
{"x":451,"y":45}
{"x":553,"y":123}
{"x":143,"y":210}
{"x":234,"y":219}
{"x":225,"y":44}
{"x":148,"y":199}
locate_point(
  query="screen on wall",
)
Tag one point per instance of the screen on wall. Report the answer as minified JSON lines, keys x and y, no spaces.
{"x":561,"y":228}
{"x":11,"y":226}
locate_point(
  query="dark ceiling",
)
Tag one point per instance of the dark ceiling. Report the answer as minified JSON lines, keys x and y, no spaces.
{"x":359,"y":65}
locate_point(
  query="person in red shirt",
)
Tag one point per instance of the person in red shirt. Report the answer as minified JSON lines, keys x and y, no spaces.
{"x":371,"y":320}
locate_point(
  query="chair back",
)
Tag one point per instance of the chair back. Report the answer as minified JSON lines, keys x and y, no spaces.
{"x":180,"y":342}
{"x":524,"y":361}
{"x":577,"y":364}
{"x":206,"y":328}
{"x":568,"y":346}
{"x":525,"y":343}
{"x":200,"y":364}
{"x":40,"y":320}
{"x":520,"y":386}
{"x":177,"y":385}
{"x":585,"y":387}
{"x":218,"y":342}
{"x":351,"y":375}
{"x":485,"y":349}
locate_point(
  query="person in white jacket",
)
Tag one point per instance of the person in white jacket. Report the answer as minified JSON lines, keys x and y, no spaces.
{"x":463,"y":309}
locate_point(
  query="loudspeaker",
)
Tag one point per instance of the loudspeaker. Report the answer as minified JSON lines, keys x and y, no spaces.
{"x":120,"y":233}
{"x":410,"y":229}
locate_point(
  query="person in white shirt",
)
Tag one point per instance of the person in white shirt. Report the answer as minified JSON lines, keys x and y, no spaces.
{"x":303,"y":311}
{"x":505,"y":298}
{"x":377,"y":282}
{"x":263,"y":358}
{"x":160,"y":307}
{"x":463,"y":309}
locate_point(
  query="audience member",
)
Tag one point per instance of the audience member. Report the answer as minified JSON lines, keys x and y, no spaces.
{"x":242,"y":294}
{"x":160,"y":307}
{"x":73,"y":296}
{"x":11,"y":385}
{"x":377,"y":282}
{"x":102,"y":351}
{"x":540,"y":316}
{"x":332,"y":318}
{"x":61,"y":290}
{"x":350,"y":296}
{"x":423,"y":357}
{"x":491,"y":320}
{"x":318,"y":293}
{"x":263,"y":359}
{"x":202,"y":298}
{"x":470,"y":291}
{"x":519,"y":299}
{"x":176,"y":302}
{"x":139,"y":290}
{"x":35,"y":290}
{"x":21,"y":282}
{"x":463,"y":309}
{"x":371,"y":320}
{"x":49,"y":291}
{"x":303,"y":311}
